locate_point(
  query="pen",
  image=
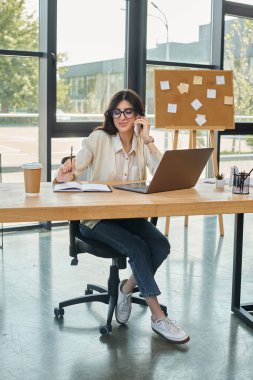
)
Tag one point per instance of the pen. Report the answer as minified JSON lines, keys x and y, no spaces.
{"x":247,"y":175}
{"x":71,"y":155}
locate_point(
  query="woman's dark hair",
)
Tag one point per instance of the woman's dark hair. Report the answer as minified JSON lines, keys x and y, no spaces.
{"x":132,"y":98}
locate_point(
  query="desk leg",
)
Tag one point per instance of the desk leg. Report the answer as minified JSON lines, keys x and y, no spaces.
{"x":243,"y":311}
{"x":2,"y":237}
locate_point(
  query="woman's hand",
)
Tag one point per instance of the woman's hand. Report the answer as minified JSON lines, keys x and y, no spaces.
{"x":66,"y":171}
{"x":144,"y":130}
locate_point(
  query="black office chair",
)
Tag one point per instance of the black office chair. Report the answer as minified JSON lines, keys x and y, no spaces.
{"x":79,"y":244}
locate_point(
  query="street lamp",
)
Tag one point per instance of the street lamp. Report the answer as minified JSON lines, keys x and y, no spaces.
{"x":165,"y":22}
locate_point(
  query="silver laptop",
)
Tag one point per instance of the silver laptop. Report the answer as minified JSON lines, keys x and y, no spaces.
{"x":178,"y":169}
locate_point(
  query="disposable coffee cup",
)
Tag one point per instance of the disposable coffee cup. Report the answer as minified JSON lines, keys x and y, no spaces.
{"x":32,"y":175}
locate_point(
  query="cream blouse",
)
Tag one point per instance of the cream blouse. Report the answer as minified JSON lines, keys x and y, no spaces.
{"x":105,"y":159}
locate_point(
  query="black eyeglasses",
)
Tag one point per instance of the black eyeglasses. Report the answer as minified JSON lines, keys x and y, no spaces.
{"x":127,"y":112}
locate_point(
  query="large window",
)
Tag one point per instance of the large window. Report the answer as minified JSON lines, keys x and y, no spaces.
{"x":19,"y":114}
{"x":179,"y":31}
{"x":19,"y":85}
{"x":19,"y":26}
{"x":237,"y":149}
{"x":90,"y":51}
{"x":238,"y":56}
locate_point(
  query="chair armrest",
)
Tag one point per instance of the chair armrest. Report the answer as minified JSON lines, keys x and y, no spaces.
{"x":153,"y":220}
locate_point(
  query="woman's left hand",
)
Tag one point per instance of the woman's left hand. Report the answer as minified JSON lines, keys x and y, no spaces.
{"x":144,"y":130}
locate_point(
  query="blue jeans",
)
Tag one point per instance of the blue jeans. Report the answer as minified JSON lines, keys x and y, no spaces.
{"x":139,"y":240}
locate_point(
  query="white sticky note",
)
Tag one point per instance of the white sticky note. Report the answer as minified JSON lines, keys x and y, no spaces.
{"x":196,"y":104}
{"x":220,"y":79}
{"x":183,"y":88}
{"x":200,"y":120}
{"x":172,"y":108}
{"x":229,"y":100}
{"x":165,"y":85}
{"x":197,"y":80}
{"x":211,"y":93}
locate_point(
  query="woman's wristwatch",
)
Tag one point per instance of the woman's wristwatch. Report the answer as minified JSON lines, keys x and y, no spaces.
{"x":149,"y":140}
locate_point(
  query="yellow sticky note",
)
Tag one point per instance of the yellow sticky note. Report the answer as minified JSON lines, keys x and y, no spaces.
{"x":183,"y":88}
{"x":197,"y":80}
{"x":229,"y":100}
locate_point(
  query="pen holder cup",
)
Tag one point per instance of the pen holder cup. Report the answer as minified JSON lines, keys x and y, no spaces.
{"x":241,"y":183}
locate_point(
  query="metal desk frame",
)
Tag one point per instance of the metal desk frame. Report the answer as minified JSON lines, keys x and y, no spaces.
{"x":243,"y":311}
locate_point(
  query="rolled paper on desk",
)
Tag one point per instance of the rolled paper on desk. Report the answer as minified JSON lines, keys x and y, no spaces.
{"x":233,"y":170}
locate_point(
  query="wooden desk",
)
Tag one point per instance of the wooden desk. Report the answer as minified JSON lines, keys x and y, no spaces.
{"x":204,"y":199}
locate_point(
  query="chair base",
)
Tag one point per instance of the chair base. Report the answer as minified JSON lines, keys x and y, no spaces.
{"x":108,"y":297}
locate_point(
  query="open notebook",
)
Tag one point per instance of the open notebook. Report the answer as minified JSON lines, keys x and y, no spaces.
{"x":78,"y":186}
{"x":178,"y":169}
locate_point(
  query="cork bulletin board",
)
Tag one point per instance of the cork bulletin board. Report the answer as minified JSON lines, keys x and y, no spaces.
{"x":194,"y":99}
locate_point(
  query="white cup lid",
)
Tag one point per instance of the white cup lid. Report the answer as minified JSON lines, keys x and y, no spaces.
{"x":32,"y":165}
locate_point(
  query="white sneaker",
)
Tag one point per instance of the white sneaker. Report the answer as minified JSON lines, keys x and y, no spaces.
{"x":170,"y":330}
{"x":124,"y":305}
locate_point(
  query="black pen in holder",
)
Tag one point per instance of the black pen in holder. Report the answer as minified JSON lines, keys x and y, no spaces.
{"x":241,"y":183}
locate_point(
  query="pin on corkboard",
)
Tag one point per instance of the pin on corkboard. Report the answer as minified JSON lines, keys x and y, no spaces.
{"x":194,"y":99}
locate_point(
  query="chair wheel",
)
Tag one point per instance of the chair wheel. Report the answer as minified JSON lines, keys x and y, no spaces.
{"x":59,"y":313}
{"x":74,"y":261}
{"x":105,"y":330}
{"x":88,"y":291}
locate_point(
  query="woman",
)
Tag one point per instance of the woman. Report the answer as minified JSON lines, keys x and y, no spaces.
{"x":121,"y":150}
